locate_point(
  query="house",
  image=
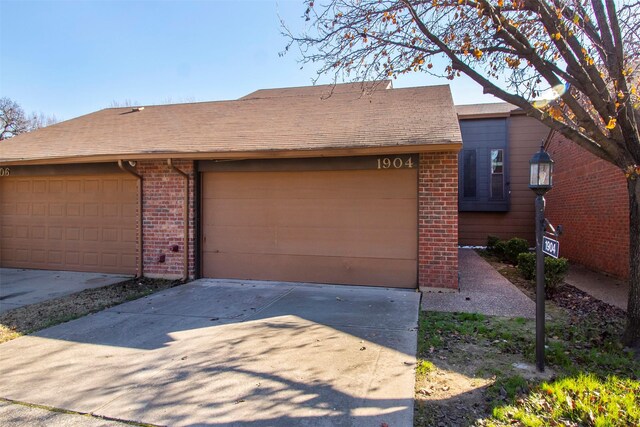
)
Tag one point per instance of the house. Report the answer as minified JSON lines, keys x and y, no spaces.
{"x":589,"y":198}
{"x":313,"y":184}
{"x":494,"y":196}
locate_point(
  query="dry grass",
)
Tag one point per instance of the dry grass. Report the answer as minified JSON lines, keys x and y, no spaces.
{"x":34,"y":317}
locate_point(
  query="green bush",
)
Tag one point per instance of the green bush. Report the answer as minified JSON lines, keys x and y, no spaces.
{"x":527,"y":265}
{"x":555,"y":270}
{"x":492,"y":241}
{"x":515,"y":247}
{"x":500,"y":249}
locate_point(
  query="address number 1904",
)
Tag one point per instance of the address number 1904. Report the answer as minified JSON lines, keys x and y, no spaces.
{"x":394,"y":163}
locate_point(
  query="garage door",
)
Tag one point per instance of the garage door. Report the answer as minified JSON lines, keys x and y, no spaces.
{"x":75,"y":223}
{"x":344,"y":227}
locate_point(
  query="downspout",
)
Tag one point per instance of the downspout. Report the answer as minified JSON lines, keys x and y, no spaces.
{"x":186,"y":218}
{"x":139,"y":178}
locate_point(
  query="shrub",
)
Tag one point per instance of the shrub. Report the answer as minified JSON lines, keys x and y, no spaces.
{"x":492,"y":241}
{"x":515,"y":247}
{"x":527,"y":265}
{"x":500,"y":249}
{"x":555,"y":270}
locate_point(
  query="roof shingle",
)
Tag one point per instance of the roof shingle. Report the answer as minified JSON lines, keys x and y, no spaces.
{"x":347,"y":119}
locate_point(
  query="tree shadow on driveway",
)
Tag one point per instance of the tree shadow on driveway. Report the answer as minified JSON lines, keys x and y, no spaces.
{"x":229,"y":354}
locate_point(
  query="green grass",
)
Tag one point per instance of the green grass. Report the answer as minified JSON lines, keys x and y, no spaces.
{"x":584,"y":399}
{"x":596,"y":379}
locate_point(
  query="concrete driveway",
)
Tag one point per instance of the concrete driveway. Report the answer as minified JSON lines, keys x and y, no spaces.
{"x":229,"y":353}
{"x":19,"y":287}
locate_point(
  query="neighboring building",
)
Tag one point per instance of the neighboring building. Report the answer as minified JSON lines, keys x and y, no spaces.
{"x":589,"y":198}
{"x":494,"y":197}
{"x":285,"y":184}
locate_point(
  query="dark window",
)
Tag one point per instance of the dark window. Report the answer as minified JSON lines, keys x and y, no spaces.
{"x":497,"y":174}
{"x":469,"y":173}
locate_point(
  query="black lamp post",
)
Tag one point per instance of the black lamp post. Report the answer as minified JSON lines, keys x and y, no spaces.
{"x":540,"y":181}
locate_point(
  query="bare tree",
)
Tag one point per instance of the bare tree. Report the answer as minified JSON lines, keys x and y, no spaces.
{"x":571,"y":64}
{"x":126,"y":103}
{"x":13,"y":121}
{"x":41,"y":120}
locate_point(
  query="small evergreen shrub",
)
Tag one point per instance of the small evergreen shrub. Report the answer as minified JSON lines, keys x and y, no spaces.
{"x":515,"y":247}
{"x":500,"y":249}
{"x":555,"y":270}
{"x":492,"y":241}
{"x":527,"y":265}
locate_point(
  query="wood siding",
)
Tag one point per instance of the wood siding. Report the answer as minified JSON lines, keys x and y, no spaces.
{"x":525,"y":136}
{"x":343,"y":227}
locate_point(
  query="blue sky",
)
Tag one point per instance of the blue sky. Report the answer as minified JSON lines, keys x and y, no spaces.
{"x":70,"y":58}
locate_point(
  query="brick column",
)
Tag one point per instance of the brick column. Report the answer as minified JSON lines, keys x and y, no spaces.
{"x":438,"y":221}
{"x":163,"y":218}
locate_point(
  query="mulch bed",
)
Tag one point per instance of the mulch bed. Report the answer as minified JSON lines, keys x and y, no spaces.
{"x":582,"y":304}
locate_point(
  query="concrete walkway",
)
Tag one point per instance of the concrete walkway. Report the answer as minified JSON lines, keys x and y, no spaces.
{"x":229,"y":353}
{"x":482,"y":290}
{"x":19,"y":287}
{"x":605,"y":288}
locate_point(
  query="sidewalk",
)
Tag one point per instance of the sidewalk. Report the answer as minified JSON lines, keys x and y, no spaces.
{"x":605,"y":288}
{"x":482,"y":290}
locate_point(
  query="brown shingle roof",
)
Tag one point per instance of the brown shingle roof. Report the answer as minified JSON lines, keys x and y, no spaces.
{"x":478,"y":111}
{"x":321,"y":91}
{"x":413,"y":117}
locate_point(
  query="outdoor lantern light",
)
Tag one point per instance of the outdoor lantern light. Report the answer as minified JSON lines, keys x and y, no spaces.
{"x":540,"y":181}
{"x":541,"y":172}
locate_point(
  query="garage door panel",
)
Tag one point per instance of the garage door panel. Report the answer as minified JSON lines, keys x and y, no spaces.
{"x":59,"y":222}
{"x":351,"y":227}
{"x":330,"y":212}
{"x":300,"y":268}
{"x":72,"y":259}
{"x":55,"y":258}
{"x":39,"y":186}
{"x":316,"y":185}
{"x":380,"y":243}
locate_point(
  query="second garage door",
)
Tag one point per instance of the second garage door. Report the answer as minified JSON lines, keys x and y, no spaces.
{"x":354,"y":227}
{"x":75,"y":223}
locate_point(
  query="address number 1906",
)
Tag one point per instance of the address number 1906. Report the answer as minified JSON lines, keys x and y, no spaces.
{"x":394,"y":162}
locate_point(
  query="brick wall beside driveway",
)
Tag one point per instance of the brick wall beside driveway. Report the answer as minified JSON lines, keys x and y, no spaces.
{"x":438,"y":221}
{"x":163,"y":218}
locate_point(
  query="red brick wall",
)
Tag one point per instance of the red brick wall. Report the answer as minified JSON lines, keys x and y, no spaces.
{"x":589,"y":198}
{"x":163,"y":218}
{"x":438,"y":220}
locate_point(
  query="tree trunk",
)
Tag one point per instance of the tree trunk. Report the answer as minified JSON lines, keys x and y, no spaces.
{"x":632,"y":333}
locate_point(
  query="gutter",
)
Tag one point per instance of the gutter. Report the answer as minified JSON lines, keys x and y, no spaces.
{"x":442,"y":145}
{"x":186,"y":218}
{"x":140,"y":224}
